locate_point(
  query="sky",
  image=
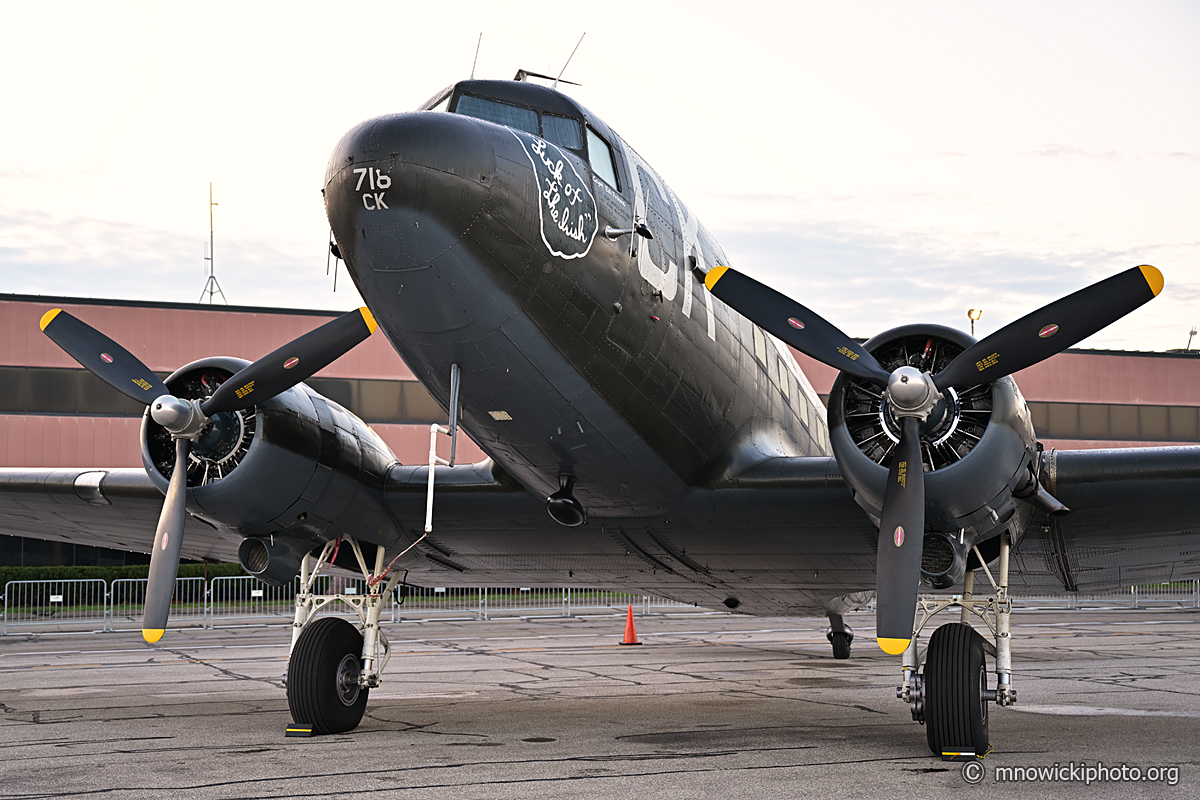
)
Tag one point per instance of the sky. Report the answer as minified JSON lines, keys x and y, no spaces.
{"x":881,"y":162}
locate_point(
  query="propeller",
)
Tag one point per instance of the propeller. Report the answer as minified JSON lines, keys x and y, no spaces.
{"x":270,"y":375}
{"x":791,"y":322}
{"x":913,"y":394}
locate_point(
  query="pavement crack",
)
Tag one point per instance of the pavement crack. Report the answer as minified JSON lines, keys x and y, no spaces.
{"x":237,"y":676}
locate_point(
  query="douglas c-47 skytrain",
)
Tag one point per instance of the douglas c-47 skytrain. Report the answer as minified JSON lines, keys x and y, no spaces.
{"x":646,"y":425}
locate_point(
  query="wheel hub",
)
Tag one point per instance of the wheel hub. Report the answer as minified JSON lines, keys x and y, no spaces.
{"x":348,"y":671}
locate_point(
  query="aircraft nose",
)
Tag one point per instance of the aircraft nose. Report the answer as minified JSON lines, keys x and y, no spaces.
{"x":404,"y":188}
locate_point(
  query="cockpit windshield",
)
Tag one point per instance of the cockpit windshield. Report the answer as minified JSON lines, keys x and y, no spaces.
{"x":563,"y":131}
{"x":523,"y":119}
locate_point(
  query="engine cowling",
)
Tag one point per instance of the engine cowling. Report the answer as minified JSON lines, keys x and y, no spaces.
{"x":289,"y":473}
{"x":978,"y":449}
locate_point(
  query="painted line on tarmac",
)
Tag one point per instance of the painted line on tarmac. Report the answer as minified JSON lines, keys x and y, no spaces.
{"x":1100,"y":711}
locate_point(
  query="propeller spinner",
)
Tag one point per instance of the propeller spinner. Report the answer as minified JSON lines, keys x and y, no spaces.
{"x":912,"y":395}
{"x":272,"y":374}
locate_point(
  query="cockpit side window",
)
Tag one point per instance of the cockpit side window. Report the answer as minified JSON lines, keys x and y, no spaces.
{"x":523,"y":119}
{"x":601,"y":158}
{"x":562,"y":131}
{"x":440,"y":105}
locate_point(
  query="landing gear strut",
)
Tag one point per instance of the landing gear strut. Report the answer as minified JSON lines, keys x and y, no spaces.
{"x":839,"y":635}
{"x":951,"y":696}
{"x":333,"y":666}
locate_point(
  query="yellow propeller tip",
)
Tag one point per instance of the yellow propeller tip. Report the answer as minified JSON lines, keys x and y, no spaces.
{"x":151,"y":635}
{"x":1153,"y":277}
{"x":714,"y":275}
{"x":49,"y":316}
{"x":368,"y":318}
{"x":893,"y":647}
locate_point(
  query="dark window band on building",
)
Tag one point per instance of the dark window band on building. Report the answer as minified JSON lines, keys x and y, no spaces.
{"x":1107,"y":421}
{"x":16,"y":551}
{"x":1112,"y":422}
{"x":77,"y":392}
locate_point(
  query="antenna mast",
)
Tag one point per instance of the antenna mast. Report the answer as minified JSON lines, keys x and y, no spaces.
{"x":476,"y":61}
{"x":564,"y":69}
{"x":211,"y":287}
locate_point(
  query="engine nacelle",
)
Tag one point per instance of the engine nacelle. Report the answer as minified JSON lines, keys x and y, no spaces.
{"x":978,"y":448}
{"x":289,"y":474}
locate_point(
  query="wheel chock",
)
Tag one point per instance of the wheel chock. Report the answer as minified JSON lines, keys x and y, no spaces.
{"x":299,"y":730}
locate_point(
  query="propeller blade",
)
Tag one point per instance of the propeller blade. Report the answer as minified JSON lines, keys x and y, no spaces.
{"x":901,"y":535}
{"x":168,"y":543}
{"x":791,"y":322}
{"x":299,"y":359}
{"x":1051,"y":329}
{"x":103,"y":357}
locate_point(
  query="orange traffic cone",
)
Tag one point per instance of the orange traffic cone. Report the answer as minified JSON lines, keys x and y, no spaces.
{"x":630,"y":633}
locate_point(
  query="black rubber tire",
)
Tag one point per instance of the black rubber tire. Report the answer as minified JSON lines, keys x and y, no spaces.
{"x":841,"y":645}
{"x":956,"y":713}
{"x":326,"y":646}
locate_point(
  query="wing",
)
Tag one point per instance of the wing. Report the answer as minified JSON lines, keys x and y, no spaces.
{"x":116,"y":508}
{"x":1135,"y":518}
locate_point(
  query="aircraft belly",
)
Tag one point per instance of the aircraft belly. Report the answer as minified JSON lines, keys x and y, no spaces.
{"x":775,"y":552}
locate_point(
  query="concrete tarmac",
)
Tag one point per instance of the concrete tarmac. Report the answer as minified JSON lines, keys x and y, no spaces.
{"x":710,"y":705}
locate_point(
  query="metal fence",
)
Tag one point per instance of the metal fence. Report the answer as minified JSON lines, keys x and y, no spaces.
{"x":74,"y":603}
{"x":243,"y":600}
{"x":94,"y":604}
{"x":1175,"y":594}
{"x":127,"y":598}
{"x":494,"y":603}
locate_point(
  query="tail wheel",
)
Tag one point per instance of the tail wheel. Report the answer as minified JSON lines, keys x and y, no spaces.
{"x":956,"y":704}
{"x":322,"y":686}
{"x":841,"y":644}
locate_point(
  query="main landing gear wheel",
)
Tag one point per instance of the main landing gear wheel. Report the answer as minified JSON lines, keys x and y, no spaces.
{"x":322,"y":686}
{"x":956,"y":693}
{"x":841,"y":644}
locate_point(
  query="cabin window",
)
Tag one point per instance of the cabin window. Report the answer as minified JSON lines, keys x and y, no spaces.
{"x":523,"y":119}
{"x":783,"y":378}
{"x":601,"y":157}
{"x":760,"y":345}
{"x":562,"y":131}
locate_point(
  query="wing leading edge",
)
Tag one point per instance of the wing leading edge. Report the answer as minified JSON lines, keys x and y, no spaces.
{"x":115,"y":508}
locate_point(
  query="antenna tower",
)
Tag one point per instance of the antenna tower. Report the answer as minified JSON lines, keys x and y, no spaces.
{"x":211,"y":287}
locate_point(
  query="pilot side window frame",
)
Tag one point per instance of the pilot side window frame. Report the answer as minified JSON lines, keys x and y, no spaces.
{"x":593,"y":137}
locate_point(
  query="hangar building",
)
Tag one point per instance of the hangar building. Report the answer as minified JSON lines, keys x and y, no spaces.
{"x":53,"y":413}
